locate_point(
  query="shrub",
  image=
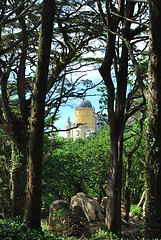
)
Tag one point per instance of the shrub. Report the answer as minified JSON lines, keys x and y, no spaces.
{"x":12,"y":229}
{"x":135,"y":210}
{"x":104,"y":235}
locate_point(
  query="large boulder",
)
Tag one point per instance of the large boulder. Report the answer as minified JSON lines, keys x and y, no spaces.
{"x":56,"y":208}
{"x":83,"y":205}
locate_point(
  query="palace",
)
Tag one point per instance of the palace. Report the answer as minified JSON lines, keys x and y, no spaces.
{"x":86,"y":120}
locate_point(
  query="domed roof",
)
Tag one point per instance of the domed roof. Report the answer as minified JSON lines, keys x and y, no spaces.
{"x":84,"y":104}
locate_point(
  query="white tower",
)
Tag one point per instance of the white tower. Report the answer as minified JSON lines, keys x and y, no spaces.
{"x":68,"y":126}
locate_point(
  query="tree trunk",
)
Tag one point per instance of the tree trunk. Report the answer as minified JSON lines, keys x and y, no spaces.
{"x":18,"y":182}
{"x":19,"y":170}
{"x":116,"y":117}
{"x":153,"y":161}
{"x":142,"y":199}
{"x":37,"y":117}
{"x":127,"y":188}
{"x":113,"y":209}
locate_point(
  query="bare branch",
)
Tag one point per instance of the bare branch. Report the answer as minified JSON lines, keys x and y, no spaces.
{"x":130,"y":20}
{"x":3,"y":51}
{"x":138,"y":1}
{"x":64,"y":130}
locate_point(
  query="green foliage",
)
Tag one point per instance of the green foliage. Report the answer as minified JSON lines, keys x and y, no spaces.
{"x":94,"y":153}
{"x":57,"y":214}
{"x":16,"y":156}
{"x":103,"y":99}
{"x":137,"y":177}
{"x":5,"y":153}
{"x":101,"y":234}
{"x":76,"y":166}
{"x":82,"y":165}
{"x":12,"y":229}
{"x":136,"y":211}
{"x":143,"y":66}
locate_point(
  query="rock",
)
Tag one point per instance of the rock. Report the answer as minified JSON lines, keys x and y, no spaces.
{"x":55,"y":207}
{"x":82,"y":205}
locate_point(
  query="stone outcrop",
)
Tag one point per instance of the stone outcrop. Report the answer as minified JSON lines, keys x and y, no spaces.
{"x":55,"y":207}
{"x":83,"y":205}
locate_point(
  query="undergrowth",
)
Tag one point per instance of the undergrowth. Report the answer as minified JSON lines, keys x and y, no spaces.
{"x":13,"y":229}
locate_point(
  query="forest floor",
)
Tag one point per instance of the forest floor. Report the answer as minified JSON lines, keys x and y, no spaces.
{"x":78,"y":227}
{"x":132,"y":229}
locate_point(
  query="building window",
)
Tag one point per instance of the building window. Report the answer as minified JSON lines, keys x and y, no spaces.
{"x":79,"y":111}
{"x":88,"y":134}
{"x":77,"y":132}
{"x":79,"y":120}
{"x":87,"y":120}
{"x":87,"y":112}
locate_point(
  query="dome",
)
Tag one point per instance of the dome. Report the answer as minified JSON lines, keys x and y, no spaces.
{"x":84,"y":104}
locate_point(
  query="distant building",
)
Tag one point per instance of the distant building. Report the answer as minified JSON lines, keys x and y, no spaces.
{"x":85,"y":118}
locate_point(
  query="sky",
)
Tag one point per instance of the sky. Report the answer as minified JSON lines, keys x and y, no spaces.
{"x":69,"y":109}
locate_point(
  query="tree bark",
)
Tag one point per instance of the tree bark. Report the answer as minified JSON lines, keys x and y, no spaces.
{"x":35,"y":149}
{"x":153,"y":161}
{"x":116,"y":117}
{"x":18,"y":182}
{"x":127,"y":188}
{"x":16,"y":127}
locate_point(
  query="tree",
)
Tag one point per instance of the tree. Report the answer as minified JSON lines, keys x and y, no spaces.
{"x":153,"y":161}
{"x":5,"y":154}
{"x":128,"y":154}
{"x":135,"y":127}
{"x":117,"y":53}
{"x":14,"y":105}
{"x":35,"y":146}
{"x":76,"y":166}
{"x":17,"y":72}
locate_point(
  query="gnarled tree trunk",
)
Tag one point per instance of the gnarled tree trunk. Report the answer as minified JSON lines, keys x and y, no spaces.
{"x":18,"y":182}
{"x":35,"y":148}
{"x":153,"y":161}
{"x":116,"y":107}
